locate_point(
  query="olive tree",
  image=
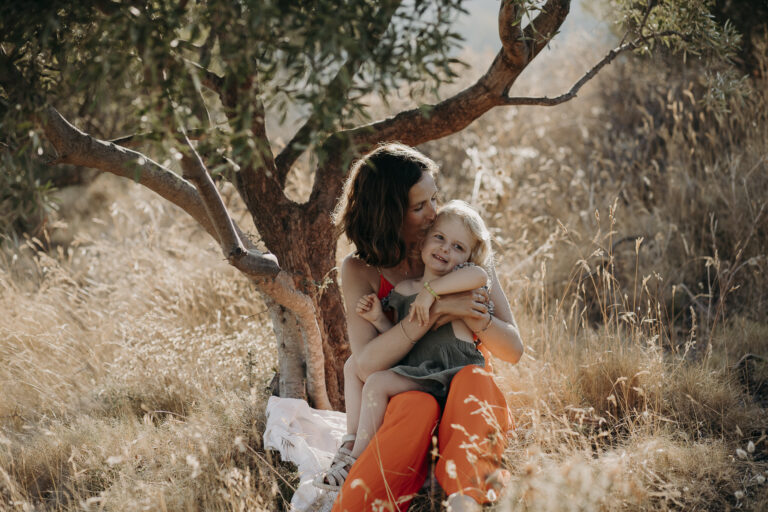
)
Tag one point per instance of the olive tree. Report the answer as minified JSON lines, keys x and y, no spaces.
{"x":196,"y":81}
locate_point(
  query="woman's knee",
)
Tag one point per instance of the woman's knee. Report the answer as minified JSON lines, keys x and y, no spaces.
{"x":470,"y":374}
{"x":414,"y":405}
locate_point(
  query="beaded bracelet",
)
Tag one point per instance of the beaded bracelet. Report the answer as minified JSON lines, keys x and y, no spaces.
{"x":431,"y":291}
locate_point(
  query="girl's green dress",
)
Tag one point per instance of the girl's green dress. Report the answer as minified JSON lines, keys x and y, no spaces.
{"x":437,"y":356}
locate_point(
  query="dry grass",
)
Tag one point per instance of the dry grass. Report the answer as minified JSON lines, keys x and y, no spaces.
{"x":135,"y":361}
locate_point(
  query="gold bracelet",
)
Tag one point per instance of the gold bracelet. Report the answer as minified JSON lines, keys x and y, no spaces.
{"x":431,"y":291}
{"x":413,"y":342}
{"x":490,"y":319}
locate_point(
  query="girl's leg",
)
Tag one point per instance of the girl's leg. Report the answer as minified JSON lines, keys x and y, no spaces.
{"x":353,"y":392}
{"x":472,"y":434}
{"x":377,"y":390}
{"x":394,"y":466}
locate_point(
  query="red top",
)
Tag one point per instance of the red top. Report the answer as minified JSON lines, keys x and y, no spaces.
{"x":384,"y":287}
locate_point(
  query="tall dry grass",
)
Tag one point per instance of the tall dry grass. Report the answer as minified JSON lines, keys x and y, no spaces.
{"x":629,"y":238}
{"x":632,"y":239}
{"x":135,"y":365}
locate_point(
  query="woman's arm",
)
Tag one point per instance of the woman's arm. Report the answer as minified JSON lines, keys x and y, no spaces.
{"x":459,"y":306}
{"x":373,"y":351}
{"x":499,"y":331}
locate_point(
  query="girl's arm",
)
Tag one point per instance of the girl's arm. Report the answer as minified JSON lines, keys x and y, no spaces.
{"x":373,"y":351}
{"x":369,"y":307}
{"x":459,"y":280}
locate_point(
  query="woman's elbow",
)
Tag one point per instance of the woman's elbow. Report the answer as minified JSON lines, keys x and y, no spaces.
{"x":514,"y":350}
{"x":517,"y":354}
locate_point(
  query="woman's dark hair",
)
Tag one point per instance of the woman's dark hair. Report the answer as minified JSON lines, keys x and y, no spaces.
{"x":375,"y":199}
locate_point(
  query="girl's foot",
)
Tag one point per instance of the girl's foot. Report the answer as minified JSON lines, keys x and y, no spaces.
{"x":333,"y":479}
{"x":345,"y":448}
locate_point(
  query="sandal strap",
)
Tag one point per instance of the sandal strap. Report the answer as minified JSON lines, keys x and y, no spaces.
{"x":345,"y":459}
{"x":334,"y":478}
{"x":337,"y":458}
{"x":336,"y":475}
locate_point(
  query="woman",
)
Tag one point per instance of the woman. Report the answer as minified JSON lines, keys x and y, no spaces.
{"x":389,"y":203}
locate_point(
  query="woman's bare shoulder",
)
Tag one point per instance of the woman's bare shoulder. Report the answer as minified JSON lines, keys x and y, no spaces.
{"x":355,"y":271}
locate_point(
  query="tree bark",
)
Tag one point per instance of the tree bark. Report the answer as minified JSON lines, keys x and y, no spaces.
{"x":290,"y":353}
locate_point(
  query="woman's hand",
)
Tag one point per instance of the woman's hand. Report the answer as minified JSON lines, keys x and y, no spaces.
{"x":470,"y":305}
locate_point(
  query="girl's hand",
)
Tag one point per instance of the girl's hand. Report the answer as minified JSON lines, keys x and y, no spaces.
{"x":369,"y":307}
{"x":420,"y":307}
{"x":470,"y":306}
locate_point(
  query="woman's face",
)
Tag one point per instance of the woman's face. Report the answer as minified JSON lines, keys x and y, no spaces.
{"x":422,"y":208}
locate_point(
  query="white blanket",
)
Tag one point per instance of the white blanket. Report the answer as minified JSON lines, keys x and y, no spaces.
{"x":309,"y":438}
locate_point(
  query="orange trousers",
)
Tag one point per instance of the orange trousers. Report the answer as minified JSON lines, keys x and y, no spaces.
{"x":471,"y":438}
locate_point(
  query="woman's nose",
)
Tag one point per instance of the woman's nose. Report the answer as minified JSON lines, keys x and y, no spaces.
{"x":431,"y":211}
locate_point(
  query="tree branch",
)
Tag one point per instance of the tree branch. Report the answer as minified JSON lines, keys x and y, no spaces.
{"x":336,"y":92}
{"x":135,"y":139}
{"x":195,"y":171}
{"x":206,"y":207}
{"x":545,"y":26}
{"x":78,"y":148}
{"x":255,"y":179}
{"x":514,"y":45}
{"x":648,"y":9}
{"x":430,"y":122}
{"x":589,"y":75}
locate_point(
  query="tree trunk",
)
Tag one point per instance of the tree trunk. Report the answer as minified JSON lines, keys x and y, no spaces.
{"x":290,"y":351}
{"x":304,"y":242}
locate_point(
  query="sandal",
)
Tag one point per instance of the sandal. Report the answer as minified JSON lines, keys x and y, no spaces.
{"x":333,"y":479}
{"x":343,"y":451}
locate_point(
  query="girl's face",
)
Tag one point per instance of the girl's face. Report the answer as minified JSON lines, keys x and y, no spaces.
{"x":449,"y":242}
{"x":422,"y":207}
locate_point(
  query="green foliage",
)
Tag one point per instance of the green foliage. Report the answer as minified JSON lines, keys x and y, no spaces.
{"x":24,"y":185}
{"x":151,"y":67}
{"x":141,"y":67}
{"x":689,"y":30}
{"x":150,"y":56}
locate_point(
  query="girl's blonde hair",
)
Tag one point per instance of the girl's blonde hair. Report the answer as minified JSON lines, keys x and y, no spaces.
{"x":481,"y":253}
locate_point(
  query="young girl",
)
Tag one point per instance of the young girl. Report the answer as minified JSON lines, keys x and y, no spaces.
{"x":456,"y":248}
